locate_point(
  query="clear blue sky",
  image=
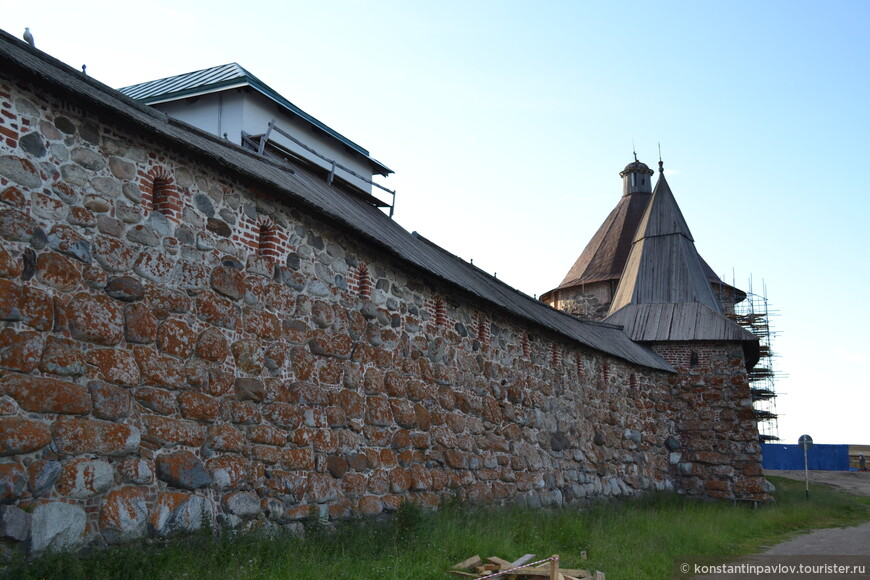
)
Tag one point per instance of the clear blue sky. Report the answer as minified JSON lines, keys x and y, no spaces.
{"x":507,"y":124}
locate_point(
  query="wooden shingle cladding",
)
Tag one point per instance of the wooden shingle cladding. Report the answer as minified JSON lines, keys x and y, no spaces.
{"x":663,"y":266}
{"x":664,"y":269}
{"x":664,"y":293}
{"x":677,"y":322}
{"x":301,"y":189}
{"x":605,"y":256}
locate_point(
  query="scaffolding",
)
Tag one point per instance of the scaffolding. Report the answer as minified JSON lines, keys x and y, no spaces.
{"x":754,"y":314}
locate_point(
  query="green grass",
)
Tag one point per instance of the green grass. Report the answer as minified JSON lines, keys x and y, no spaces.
{"x":631,"y":539}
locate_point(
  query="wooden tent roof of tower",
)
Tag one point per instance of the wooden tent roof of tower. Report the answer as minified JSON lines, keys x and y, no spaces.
{"x":605,"y":255}
{"x":664,"y":293}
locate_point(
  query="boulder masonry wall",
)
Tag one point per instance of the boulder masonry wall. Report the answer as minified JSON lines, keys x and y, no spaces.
{"x":179,"y":347}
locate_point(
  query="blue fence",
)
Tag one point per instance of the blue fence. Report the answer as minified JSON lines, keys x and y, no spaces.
{"x":821,"y":457}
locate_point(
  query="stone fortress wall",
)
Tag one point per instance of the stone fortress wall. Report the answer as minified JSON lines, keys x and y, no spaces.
{"x":176,"y":346}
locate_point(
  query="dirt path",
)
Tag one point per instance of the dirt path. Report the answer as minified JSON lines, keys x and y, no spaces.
{"x":854,"y":541}
{"x":856,"y":482}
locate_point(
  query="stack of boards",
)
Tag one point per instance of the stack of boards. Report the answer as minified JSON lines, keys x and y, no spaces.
{"x":497,"y":568}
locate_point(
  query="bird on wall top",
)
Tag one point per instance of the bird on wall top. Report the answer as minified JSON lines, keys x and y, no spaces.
{"x":29,"y":37}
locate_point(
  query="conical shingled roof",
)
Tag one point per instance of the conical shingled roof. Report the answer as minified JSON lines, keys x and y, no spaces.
{"x":663,"y":265}
{"x":664,"y":293}
{"x":605,"y":255}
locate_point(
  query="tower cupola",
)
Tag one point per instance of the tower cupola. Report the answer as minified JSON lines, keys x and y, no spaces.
{"x":636,"y":178}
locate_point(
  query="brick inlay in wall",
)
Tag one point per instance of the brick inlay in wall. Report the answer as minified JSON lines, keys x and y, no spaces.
{"x":268,"y":239}
{"x":159,"y":193}
{"x":605,"y":371}
{"x":483,"y":333}
{"x":527,"y":347}
{"x":440,"y":311}
{"x":555,"y":355}
{"x":363,"y":282}
{"x":581,"y":366}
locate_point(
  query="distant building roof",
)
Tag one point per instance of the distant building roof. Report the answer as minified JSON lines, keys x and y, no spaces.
{"x":225,"y":77}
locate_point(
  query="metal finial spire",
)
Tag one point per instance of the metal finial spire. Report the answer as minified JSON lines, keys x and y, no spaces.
{"x":634,"y":150}
{"x":661,"y":163}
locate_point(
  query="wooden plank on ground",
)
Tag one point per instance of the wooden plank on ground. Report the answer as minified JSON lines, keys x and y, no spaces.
{"x":473,"y":561}
{"x":544,"y":572}
{"x":497,"y":560}
{"x":522,"y":560}
{"x":461,"y":573}
{"x":537,"y":572}
{"x":509,"y":565}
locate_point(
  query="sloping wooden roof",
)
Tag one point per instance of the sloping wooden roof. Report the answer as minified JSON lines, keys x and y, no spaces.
{"x":664,"y":293}
{"x":663,"y":265}
{"x":677,"y":322}
{"x":298,"y":188}
{"x":605,"y":255}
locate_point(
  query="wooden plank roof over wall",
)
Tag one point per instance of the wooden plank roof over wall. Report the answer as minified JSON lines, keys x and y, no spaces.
{"x":301,"y":189}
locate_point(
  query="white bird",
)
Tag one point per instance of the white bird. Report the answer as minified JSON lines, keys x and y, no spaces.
{"x":29,"y":37}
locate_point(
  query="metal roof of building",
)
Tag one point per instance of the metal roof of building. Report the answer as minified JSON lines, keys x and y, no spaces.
{"x":222,"y":78}
{"x":302,"y":189}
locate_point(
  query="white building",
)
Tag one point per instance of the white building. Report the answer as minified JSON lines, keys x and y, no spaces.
{"x":230,"y":102}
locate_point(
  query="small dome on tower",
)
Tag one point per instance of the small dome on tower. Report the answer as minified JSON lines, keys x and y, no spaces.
{"x":636,"y":167}
{"x":636,"y":178}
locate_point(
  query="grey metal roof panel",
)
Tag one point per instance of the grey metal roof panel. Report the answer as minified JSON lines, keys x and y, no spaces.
{"x":174,"y":86}
{"x":300,"y":188}
{"x":227,"y":76}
